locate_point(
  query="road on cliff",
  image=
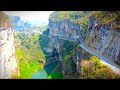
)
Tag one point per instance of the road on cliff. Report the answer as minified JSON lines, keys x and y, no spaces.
{"x":103,"y":59}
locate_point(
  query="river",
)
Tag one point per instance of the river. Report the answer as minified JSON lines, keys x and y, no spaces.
{"x":44,"y":72}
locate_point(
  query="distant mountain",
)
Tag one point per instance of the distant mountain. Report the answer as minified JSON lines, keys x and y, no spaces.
{"x":19,"y":24}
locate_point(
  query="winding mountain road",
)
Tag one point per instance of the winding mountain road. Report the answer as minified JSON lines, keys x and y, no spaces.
{"x":61,"y":38}
{"x":103,"y":59}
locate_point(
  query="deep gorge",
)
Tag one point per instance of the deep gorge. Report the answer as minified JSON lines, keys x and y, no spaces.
{"x":58,"y":53}
{"x":102,"y":39}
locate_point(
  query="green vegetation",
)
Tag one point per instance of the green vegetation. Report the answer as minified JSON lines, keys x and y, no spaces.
{"x":56,"y":73}
{"x":14,"y":77}
{"x":74,"y":16}
{"x":37,"y":29}
{"x":67,"y":53}
{"x":106,"y":17}
{"x":31,"y":58}
{"x":66,"y":50}
{"x":82,"y":17}
{"x":68,"y":56}
{"x":29,"y":53}
{"x":94,"y":69}
{"x":28,"y":68}
{"x":59,"y":16}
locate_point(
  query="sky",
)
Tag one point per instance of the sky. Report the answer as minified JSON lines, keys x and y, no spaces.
{"x":34,"y":17}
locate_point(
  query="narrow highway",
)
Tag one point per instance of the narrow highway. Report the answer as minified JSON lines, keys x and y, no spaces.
{"x":103,"y":59}
{"x":61,"y":38}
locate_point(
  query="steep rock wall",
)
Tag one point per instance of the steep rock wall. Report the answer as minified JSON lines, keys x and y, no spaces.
{"x":69,"y":54}
{"x":101,"y":38}
{"x":8,"y":61}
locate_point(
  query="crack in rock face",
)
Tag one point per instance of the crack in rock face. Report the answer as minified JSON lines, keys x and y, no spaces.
{"x":8,"y":61}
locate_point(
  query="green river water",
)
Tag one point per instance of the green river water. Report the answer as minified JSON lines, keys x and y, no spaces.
{"x":44,"y":72}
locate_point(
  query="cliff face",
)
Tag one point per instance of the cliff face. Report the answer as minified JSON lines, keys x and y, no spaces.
{"x":8,"y":61}
{"x":64,"y":37}
{"x":65,"y":53}
{"x":101,"y":38}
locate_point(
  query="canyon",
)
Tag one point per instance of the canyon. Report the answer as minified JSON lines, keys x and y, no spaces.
{"x":70,"y":38}
{"x":65,"y":35}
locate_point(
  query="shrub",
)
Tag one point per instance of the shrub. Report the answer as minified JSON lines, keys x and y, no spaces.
{"x":94,"y":69}
{"x":14,"y":77}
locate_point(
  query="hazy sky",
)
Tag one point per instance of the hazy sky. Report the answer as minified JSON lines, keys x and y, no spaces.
{"x":31,"y":16}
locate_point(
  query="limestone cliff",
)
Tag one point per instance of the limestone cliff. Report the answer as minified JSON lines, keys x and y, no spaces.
{"x":97,"y":30}
{"x":104,"y":39}
{"x":8,"y":61}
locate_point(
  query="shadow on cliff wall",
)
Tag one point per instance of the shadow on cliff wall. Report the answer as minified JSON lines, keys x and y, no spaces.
{"x":43,"y":42}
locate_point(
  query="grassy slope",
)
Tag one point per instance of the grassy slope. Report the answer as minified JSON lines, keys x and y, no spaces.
{"x":28,"y":57}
